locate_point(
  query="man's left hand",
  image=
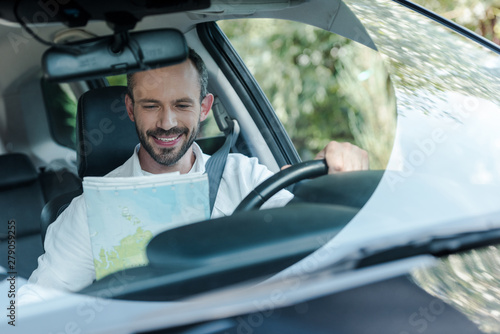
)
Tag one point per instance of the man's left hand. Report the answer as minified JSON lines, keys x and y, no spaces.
{"x":344,"y":157}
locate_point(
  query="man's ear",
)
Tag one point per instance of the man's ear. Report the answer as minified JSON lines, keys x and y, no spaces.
{"x":206,"y":105}
{"x":129,"y":104}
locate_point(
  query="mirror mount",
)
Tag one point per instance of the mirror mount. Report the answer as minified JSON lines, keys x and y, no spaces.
{"x":119,"y":41}
{"x":121,"y":23}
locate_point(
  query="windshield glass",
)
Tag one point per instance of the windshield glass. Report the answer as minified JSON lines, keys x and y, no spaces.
{"x":445,"y":161}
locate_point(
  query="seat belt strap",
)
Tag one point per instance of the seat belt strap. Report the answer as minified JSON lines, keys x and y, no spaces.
{"x":216,"y":163}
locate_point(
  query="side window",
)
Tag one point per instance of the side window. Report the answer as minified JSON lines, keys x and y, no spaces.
{"x":61,"y":105}
{"x":322,"y":86}
{"x":208,"y":128}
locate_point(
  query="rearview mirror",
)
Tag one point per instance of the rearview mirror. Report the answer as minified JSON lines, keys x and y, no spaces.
{"x":114,"y":54}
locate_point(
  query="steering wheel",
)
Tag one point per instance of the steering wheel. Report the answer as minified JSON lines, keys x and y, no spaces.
{"x":280,"y":180}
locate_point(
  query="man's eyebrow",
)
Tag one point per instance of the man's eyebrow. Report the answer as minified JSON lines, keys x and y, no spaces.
{"x":181,"y":100}
{"x":148,"y":101}
{"x":184,"y":100}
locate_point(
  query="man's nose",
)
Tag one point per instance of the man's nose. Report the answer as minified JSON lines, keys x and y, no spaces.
{"x":167,"y":119}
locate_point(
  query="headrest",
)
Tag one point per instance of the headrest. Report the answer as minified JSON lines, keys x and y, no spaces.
{"x":16,"y":169}
{"x":106,"y":136}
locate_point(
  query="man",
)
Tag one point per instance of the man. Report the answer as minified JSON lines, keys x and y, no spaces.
{"x":167,"y":106}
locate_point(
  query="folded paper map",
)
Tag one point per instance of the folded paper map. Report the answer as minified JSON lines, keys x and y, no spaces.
{"x":125,"y":213}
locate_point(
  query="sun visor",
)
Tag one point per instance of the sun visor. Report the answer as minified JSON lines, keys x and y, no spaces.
{"x":114,"y":54}
{"x":348,"y":25}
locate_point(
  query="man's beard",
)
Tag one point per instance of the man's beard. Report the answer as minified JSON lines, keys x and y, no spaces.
{"x":168,"y":156}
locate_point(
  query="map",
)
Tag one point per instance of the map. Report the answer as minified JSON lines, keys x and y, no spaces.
{"x":124,"y":214}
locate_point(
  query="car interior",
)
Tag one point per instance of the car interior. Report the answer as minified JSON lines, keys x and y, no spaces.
{"x":41,"y":173}
{"x":418,"y":256}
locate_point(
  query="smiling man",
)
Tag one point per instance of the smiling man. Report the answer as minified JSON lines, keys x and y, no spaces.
{"x":167,"y":106}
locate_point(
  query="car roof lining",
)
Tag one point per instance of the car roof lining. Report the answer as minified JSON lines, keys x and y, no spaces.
{"x":331,"y":15}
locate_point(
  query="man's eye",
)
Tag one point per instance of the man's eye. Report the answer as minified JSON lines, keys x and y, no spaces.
{"x":149,"y":107}
{"x":183,"y":106}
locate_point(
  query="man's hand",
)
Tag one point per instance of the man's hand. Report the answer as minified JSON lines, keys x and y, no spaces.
{"x":343,"y":157}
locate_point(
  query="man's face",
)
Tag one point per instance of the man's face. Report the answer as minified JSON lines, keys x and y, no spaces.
{"x":167,"y":111}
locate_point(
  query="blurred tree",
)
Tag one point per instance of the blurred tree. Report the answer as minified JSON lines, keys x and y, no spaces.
{"x":317,"y":90}
{"x":480,"y":16}
{"x":293,"y":64}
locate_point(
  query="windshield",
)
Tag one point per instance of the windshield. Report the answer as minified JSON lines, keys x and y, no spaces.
{"x":445,"y":160}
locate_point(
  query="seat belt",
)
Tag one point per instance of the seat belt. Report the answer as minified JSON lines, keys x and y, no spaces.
{"x":216,"y":163}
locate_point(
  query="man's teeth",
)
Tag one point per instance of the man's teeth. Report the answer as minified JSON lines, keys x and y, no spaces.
{"x":168,"y":139}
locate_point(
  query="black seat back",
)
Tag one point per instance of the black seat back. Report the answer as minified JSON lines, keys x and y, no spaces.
{"x":105,"y":135}
{"x":23,"y":192}
{"x":21,"y":195}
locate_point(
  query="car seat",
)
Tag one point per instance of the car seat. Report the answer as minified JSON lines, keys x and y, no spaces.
{"x":23,"y":193}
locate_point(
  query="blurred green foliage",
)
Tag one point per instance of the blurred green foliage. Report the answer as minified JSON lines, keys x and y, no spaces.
{"x":480,"y":16}
{"x":117,"y":80}
{"x":322,"y":86}
{"x":292,"y":63}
